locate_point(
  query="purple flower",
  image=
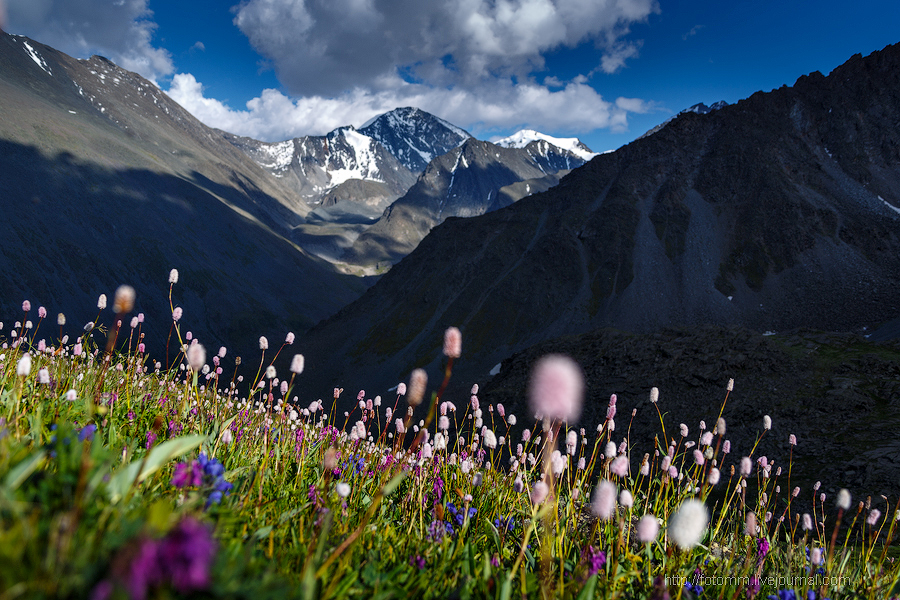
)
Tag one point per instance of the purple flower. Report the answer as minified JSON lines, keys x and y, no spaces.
{"x":417,"y":561}
{"x":762,"y":548}
{"x":187,"y":475}
{"x":754,"y":586}
{"x":87,"y":432}
{"x":186,"y":555}
{"x":596,"y":559}
{"x":143,"y":571}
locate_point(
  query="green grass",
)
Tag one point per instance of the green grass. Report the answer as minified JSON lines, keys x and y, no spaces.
{"x":156,"y":482}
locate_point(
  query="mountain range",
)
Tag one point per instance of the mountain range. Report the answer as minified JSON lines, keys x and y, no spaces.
{"x":107,"y":180}
{"x":777,"y":212}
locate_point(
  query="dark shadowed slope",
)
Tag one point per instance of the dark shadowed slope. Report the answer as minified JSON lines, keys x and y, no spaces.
{"x":776,"y":212}
{"x":106,"y":181}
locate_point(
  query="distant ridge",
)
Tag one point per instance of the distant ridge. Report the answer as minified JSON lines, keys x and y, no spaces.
{"x":777,"y":212}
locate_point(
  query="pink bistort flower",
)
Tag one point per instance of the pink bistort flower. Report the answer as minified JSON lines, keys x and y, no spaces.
{"x":556,"y":388}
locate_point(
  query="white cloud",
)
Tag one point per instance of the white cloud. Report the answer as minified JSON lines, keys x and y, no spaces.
{"x":694,"y":30}
{"x":122,"y":31}
{"x":614,"y":58}
{"x":329,"y":47}
{"x":496,"y":105}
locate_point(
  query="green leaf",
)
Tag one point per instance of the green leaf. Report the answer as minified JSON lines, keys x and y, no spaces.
{"x":587,"y":592}
{"x":262,"y":532}
{"x":393,"y":484}
{"x":141,"y":468}
{"x":506,"y":590}
{"x":289,"y":514}
{"x":22,"y":471}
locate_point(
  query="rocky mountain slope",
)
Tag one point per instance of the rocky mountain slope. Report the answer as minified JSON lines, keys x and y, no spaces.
{"x":780,"y":211}
{"x":823,"y":388}
{"x":414,"y":136}
{"x":107,"y":181}
{"x":464,"y":182}
{"x":316,"y":168}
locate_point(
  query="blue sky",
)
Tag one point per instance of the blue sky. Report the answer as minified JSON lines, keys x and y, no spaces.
{"x":602,"y":70}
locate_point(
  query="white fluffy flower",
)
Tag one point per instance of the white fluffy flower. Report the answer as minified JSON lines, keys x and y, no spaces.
{"x":604,"y":503}
{"x":688,"y":525}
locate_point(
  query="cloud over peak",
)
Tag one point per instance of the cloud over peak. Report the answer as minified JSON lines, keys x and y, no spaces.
{"x":328,"y":47}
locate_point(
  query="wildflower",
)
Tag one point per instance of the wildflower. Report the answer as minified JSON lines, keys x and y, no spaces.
{"x":762,"y":547}
{"x":571,"y":442}
{"x":539,"y":492}
{"x":123,"y":301}
{"x":698,"y":457}
{"x":342,"y":489}
{"x":609,"y":450}
{"x":648,"y":529}
{"x":289,"y":338}
{"x":558,"y":463}
{"x":270,"y":372}
{"x":196,"y":356}
{"x":873,"y":517}
{"x":263,"y":343}
{"x":101,"y":301}
{"x":227,"y":437}
{"x":297,"y":364}
{"x":626,"y":499}
{"x":26,"y":306}
{"x":604,"y":502}
{"x":176,"y":313}
{"x":720,"y":426}
{"x":730,"y":386}
{"x":23,"y":368}
{"x":654,"y":395}
{"x":87,"y":432}
{"x":452,"y":342}
{"x":714,"y":475}
{"x":619,"y":466}
{"x":417,"y":382}
{"x":792,"y":440}
{"x":60,"y":319}
{"x":750,"y":524}
{"x":746,"y":466}
{"x":401,"y":389}
{"x":815,"y":556}
{"x":489,"y":439}
{"x":767,"y":422}
{"x":556,"y":388}
{"x":511,"y":419}
{"x":595,"y":559}
{"x":173,"y":276}
{"x":688,"y":525}
{"x":684,"y":430}
{"x":71,"y":395}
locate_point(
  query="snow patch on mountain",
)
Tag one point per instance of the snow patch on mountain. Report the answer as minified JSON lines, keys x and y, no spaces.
{"x":37,"y":58}
{"x":277,"y":157}
{"x":359,"y":163}
{"x":524,"y":137}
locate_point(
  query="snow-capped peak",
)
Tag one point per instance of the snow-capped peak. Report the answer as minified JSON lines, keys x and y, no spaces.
{"x":524,"y":137}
